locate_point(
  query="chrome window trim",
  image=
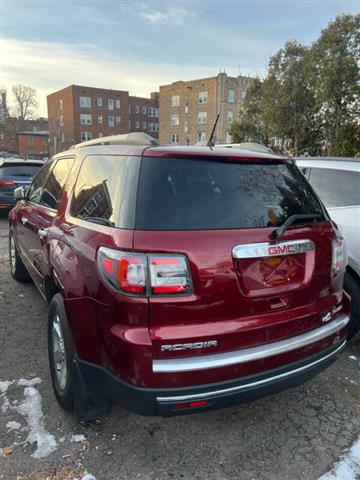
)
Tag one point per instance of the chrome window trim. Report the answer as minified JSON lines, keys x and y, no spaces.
{"x":236,"y":357}
{"x":264,"y":381}
{"x":261,"y":250}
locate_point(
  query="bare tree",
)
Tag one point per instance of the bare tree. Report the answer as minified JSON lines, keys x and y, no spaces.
{"x":25,"y":101}
{"x":3,"y":105}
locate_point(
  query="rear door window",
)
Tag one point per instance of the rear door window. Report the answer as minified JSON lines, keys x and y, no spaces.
{"x":37,"y":186}
{"x":336,"y":188}
{"x":105,"y":191}
{"x":55,"y":183}
{"x":186,"y":194}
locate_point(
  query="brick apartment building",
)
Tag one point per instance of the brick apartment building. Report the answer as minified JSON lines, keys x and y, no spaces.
{"x":78,"y":113}
{"x":188,"y":109}
{"x":17,"y":136}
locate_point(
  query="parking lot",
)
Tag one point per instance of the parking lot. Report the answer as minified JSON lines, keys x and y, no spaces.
{"x":299,"y":434}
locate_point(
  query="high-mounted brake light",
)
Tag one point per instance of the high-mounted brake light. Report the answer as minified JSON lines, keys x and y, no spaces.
{"x":141,"y":274}
{"x":339,"y":256}
{"x":7,"y":183}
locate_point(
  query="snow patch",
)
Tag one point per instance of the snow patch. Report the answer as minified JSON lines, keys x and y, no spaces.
{"x":77,"y":438}
{"x":349,"y":466}
{"x":352,"y":357}
{"x":12,"y":425}
{"x":4,"y":386}
{"x":88,"y":476}
{"x":24,"y":382}
{"x":31,"y":409}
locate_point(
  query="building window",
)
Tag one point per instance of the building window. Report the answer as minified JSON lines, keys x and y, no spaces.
{"x":150,"y":126}
{"x":186,"y":108}
{"x":137,"y":109}
{"x":144,"y":110}
{"x":85,"y":102}
{"x":61,"y":121}
{"x":117,"y":103}
{"x":61,"y":104}
{"x":46,"y":140}
{"x":242,"y":96}
{"x":129,"y":109}
{"x":99,"y":102}
{"x":156,"y":125}
{"x":30,"y":141}
{"x":151,"y":112}
{"x":175,"y":119}
{"x":201,"y":136}
{"x":85,"y":119}
{"x":201,"y":117}
{"x":231,"y":96}
{"x":175,"y":100}
{"x":186,"y":127}
{"x":156,"y":112}
{"x":143,"y":126}
{"x":203,"y":97}
{"x":62,"y":137}
{"x":111,"y":121}
{"x":117,"y":120}
{"x":175,"y":138}
{"x":230,"y":116}
{"x":110,"y":104}
{"x":187,"y":140}
{"x":137,"y":124}
{"x":100,"y":119}
{"x":85,"y":136}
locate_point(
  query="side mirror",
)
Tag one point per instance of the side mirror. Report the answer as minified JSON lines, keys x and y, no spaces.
{"x":19,"y":193}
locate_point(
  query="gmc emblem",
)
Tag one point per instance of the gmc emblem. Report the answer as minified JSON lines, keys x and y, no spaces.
{"x":279,"y":250}
{"x":267,"y":249}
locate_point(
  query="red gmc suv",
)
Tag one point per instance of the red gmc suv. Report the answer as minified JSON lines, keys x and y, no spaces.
{"x":179,"y":279}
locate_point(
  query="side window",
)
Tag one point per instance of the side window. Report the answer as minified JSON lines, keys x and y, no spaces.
{"x":36,"y":188}
{"x":55,"y":183}
{"x":336,"y":188}
{"x":105,"y":191}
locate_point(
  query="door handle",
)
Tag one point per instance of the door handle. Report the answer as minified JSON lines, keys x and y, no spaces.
{"x":24,"y":220}
{"x":42,"y":233}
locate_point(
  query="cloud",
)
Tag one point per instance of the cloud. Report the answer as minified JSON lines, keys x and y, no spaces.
{"x":172,"y":16}
{"x":50,"y":66}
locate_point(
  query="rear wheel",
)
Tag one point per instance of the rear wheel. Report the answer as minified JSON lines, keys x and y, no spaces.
{"x":60,"y":353}
{"x":17,"y":267}
{"x":352,"y":287}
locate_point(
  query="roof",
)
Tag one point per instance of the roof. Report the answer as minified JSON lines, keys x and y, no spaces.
{"x":41,"y":133}
{"x":171,"y":151}
{"x":10,"y":161}
{"x":331,"y":163}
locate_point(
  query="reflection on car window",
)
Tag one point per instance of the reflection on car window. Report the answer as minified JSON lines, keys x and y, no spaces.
{"x":336,"y":188}
{"x":36,"y":188}
{"x":106,"y":190}
{"x":55,"y":183}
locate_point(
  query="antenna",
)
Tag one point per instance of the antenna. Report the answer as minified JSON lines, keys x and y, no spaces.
{"x":211,"y":143}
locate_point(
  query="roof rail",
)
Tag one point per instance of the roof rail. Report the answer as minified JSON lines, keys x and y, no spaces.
{"x":135,"y":138}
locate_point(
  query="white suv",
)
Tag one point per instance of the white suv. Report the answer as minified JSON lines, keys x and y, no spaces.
{"x":337,"y":181}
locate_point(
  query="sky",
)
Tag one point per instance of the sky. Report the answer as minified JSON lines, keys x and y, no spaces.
{"x":139,"y":45}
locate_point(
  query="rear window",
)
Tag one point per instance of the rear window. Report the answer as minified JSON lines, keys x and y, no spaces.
{"x":336,"y":188}
{"x":185,"y":194}
{"x":19,"y":170}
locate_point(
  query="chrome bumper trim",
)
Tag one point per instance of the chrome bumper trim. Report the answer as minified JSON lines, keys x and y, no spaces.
{"x":239,"y":388}
{"x":235,"y":357}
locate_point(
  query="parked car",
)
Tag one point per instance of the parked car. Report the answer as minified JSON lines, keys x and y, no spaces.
{"x":337,"y":181}
{"x":179,"y":279}
{"x":15,"y":172}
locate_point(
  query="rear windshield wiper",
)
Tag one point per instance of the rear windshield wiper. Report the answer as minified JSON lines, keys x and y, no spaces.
{"x":279,"y":231}
{"x":99,"y":220}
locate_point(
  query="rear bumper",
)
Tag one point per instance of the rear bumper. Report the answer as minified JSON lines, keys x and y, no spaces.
{"x":173,"y":401}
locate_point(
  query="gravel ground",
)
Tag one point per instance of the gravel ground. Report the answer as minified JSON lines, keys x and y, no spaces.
{"x":298,"y":434}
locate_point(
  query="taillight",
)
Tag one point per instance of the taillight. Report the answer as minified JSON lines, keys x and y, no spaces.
{"x":339,"y":257}
{"x":7,"y":183}
{"x":144,"y":275}
{"x":124,"y":271}
{"x":169,"y":274}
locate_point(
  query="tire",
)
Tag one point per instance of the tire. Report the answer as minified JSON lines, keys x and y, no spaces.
{"x":17,"y":268}
{"x":352,"y":287}
{"x":61,"y":353}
